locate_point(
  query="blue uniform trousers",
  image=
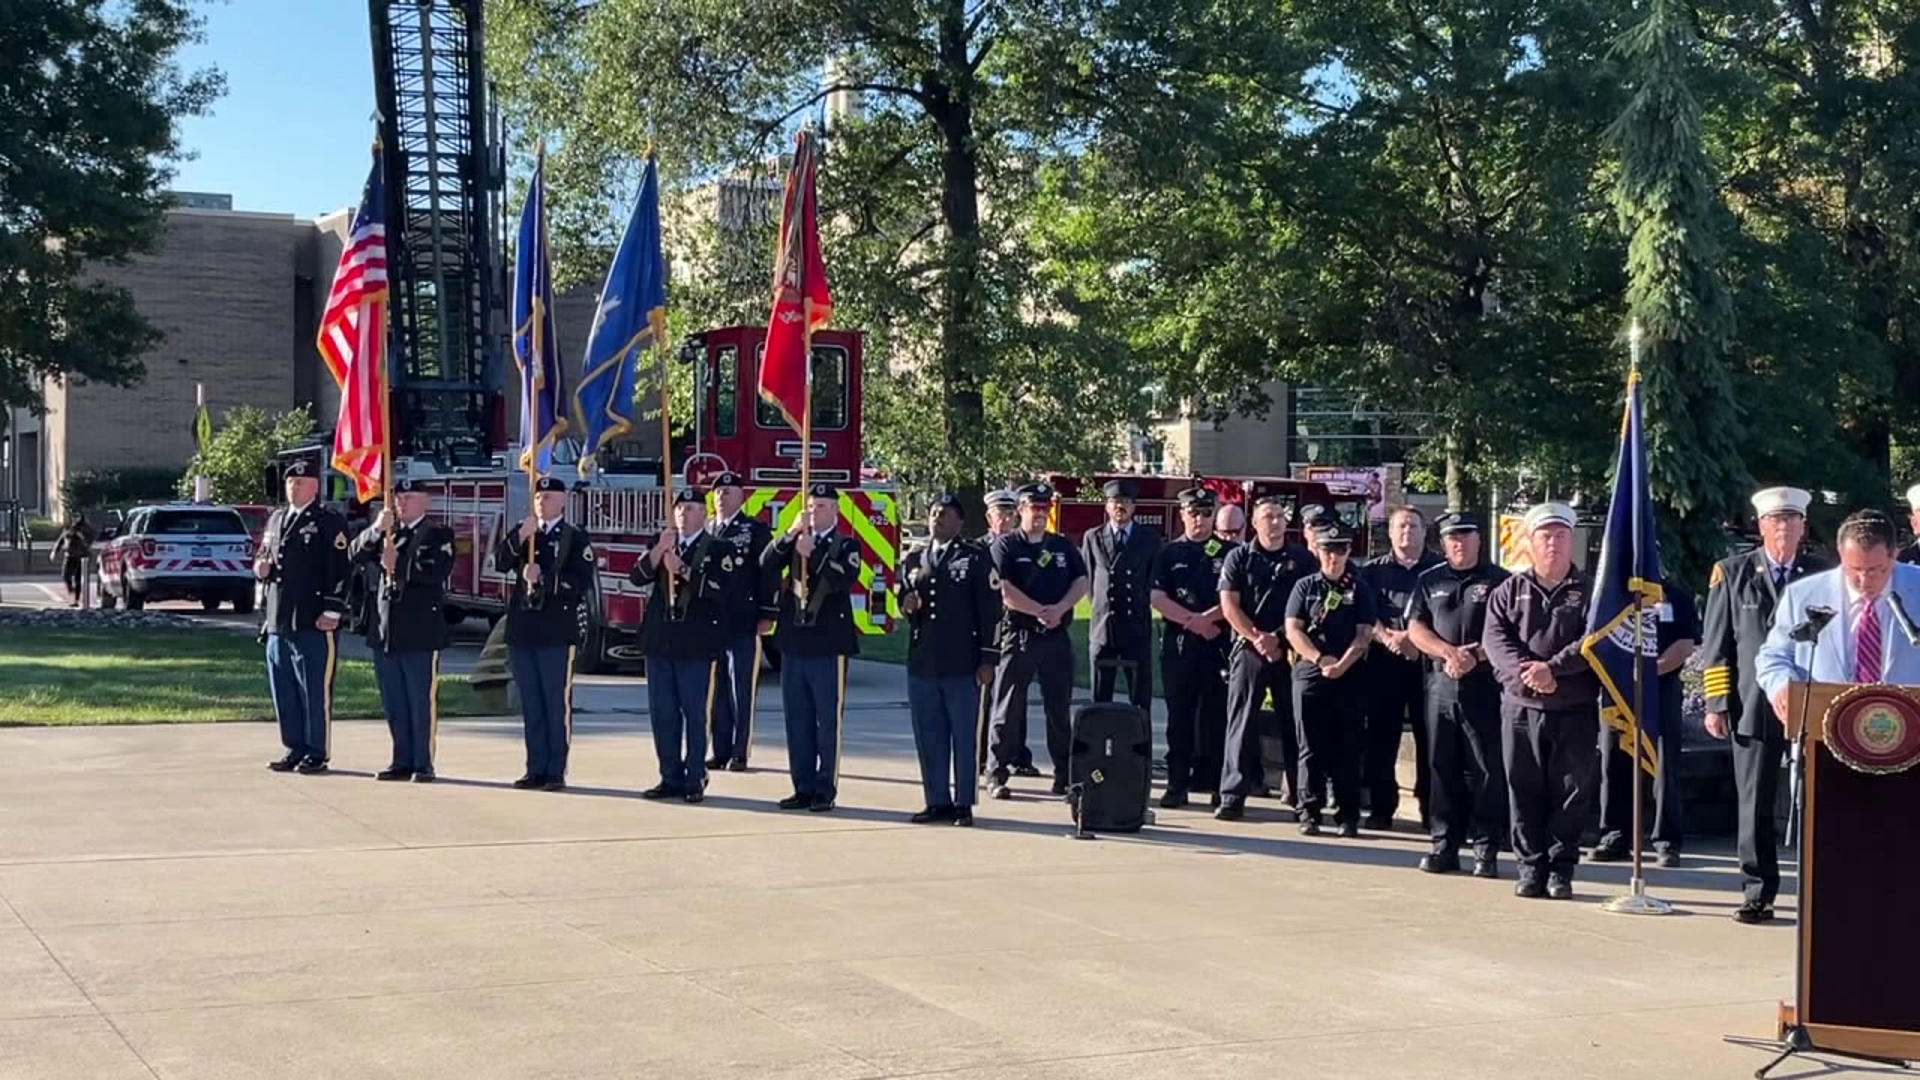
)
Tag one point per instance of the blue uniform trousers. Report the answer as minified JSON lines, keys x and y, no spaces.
{"x":734,"y":696}
{"x":944,"y":735}
{"x":813,"y":691}
{"x":545,"y":678}
{"x":300,"y":668}
{"x":410,"y":697}
{"x":680,"y":697}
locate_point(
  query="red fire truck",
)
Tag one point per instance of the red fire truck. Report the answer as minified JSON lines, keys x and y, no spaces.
{"x":1082,"y":506}
{"x":625,"y":510}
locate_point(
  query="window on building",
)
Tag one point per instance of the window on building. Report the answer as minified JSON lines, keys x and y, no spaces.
{"x":829,"y":392}
{"x":726,"y":394}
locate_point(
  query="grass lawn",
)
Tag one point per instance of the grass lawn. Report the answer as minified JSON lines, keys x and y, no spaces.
{"x":64,"y":676}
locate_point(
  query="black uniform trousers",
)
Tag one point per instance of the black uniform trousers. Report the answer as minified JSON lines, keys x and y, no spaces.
{"x":1027,"y":657}
{"x":544,"y":676}
{"x":736,"y":696}
{"x":1332,"y":737}
{"x":1249,"y":679}
{"x":1136,"y":660}
{"x":1661,"y":812}
{"x":300,"y":669}
{"x":1549,"y":754}
{"x":408,"y":695}
{"x":1756,"y":783}
{"x":1395,"y":698}
{"x":1468,"y":780}
{"x":1196,"y":711}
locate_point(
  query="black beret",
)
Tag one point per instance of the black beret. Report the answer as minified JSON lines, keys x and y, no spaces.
{"x":1457,"y":521}
{"x":687,"y":495}
{"x":550,"y":483}
{"x":729,"y":479}
{"x":1122,"y":488}
{"x":301,"y":466}
{"x":1198,"y":498}
{"x":1035,"y":493}
{"x":823,"y":491}
{"x":406,"y":485}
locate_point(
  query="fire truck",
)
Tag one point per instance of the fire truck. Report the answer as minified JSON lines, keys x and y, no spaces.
{"x":1082,"y":506}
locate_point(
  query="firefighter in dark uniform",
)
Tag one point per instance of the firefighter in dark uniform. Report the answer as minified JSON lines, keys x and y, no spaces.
{"x":1119,"y":557}
{"x":1395,"y":676}
{"x":1003,"y":517}
{"x":1186,"y":592}
{"x":1911,"y":553}
{"x":812,"y":567}
{"x":950,"y":595}
{"x":1042,"y":577}
{"x":1446,"y":616}
{"x":684,"y":631}
{"x":544,"y":595}
{"x":1676,"y":636}
{"x":1741,"y":596}
{"x":1549,"y":713}
{"x":303,"y":560}
{"x":1331,"y":618}
{"x":736,"y":698}
{"x":1256,"y":579}
{"x":406,"y":623}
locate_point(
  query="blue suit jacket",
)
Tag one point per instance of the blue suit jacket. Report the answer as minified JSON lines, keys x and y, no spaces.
{"x":1781,"y":660}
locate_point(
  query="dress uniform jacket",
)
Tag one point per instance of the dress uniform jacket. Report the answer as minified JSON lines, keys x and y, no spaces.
{"x":408,"y":614}
{"x":1741,"y":597}
{"x":1122,"y":577}
{"x":310,"y":568}
{"x":694,"y":625}
{"x":549,"y":617}
{"x":956,"y":630}
{"x":823,"y":626}
{"x":748,"y":590}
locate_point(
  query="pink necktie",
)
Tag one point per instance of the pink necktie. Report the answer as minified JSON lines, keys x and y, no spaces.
{"x":1866,"y":646}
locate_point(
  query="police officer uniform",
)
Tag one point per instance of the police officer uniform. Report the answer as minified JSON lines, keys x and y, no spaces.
{"x":738,"y":692}
{"x":684,"y":634}
{"x":1548,"y":741}
{"x":1046,"y":572}
{"x":1395,"y":694}
{"x":1262,"y":580}
{"x":816,"y":636}
{"x":1676,"y":620}
{"x":1007,"y":502}
{"x":307,"y":579}
{"x":1332,"y":614}
{"x":1467,"y":779}
{"x":1120,"y":563}
{"x":1742,"y":594}
{"x":1187,"y":574}
{"x":953,"y":634}
{"x":406,"y":628}
{"x":543,"y":633}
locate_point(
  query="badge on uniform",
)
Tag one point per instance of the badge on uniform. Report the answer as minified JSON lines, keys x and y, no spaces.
{"x":993,"y":578}
{"x":1213,"y":547}
{"x":959,"y":569}
{"x":727,"y":563}
{"x":1046,"y":558}
{"x":1475,"y":593}
{"x":586,"y":552}
{"x":340,"y":541}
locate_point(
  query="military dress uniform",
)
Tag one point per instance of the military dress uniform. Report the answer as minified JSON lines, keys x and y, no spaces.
{"x":953,"y":633}
{"x":1330,"y":712}
{"x":1045,"y":571}
{"x":307,"y":549}
{"x":1120,"y":636}
{"x":543,"y":634}
{"x":1467,"y":780}
{"x":1263,"y":580}
{"x":737,"y":696}
{"x":1742,"y":594}
{"x":1395,"y":694}
{"x":406,"y":630}
{"x":684,"y":636}
{"x":1187,"y":572}
{"x":1676,"y":620}
{"x":815,"y":637}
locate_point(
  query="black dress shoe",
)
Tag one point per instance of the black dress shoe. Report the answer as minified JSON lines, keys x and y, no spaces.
{"x":662,"y":791}
{"x":1529,"y":889}
{"x":795,"y":802}
{"x":697,"y":795}
{"x":1174,"y":799}
{"x":716,"y":762}
{"x":1753,"y":913}
{"x":531,"y":780}
{"x":1230,"y":810}
{"x":821,"y":805}
{"x":738,"y":764}
{"x":1213,"y":801}
{"x":1380,"y":824}
{"x":285,"y":764}
{"x":1025,"y":770}
{"x":1437,"y":863}
{"x":1059,"y":785}
{"x":1486,"y":866}
{"x":313,"y":766}
{"x":1667,"y":857}
{"x":394,"y":773}
{"x":1559,"y":887}
{"x":1608,"y":853}
{"x":1349,"y":830}
{"x":554,"y":783}
{"x":963,"y":816}
{"x":998,"y":790}
{"x":1310,"y":827}
{"x":932,"y":815}
{"x":424,"y":776}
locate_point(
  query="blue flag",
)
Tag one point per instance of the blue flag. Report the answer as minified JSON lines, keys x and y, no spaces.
{"x":631,"y":318}
{"x":535,"y":350}
{"x":1629,"y":570}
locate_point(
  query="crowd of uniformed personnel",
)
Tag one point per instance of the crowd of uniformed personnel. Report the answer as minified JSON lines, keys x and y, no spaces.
{"x":1485,"y":666}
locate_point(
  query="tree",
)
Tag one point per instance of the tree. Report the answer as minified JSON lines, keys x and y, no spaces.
{"x":90,"y":100}
{"x":1667,"y":196}
{"x":235,"y":460}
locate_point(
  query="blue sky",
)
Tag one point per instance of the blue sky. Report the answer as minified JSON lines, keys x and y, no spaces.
{"x":291,"y":133}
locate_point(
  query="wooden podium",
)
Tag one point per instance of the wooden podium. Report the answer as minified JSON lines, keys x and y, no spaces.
{"x":1858,"y":986}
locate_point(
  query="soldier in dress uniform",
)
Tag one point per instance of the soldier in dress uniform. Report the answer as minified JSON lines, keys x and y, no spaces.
{"x":690,"y":571}
{"x":1741,"y":596}
{"x":950,"y":595}
{"x":1395,"y":676}
{"x":1042,"y":577}
{"x":1331,"y":618}
{"x":1446,"y":616}
{"x":1186,"y":593}
{"x":1911,"y":553}
{"x":812,"y":567}
{"x":737,"y":695}
{"x":544,"y":594}
{"x":303,"y":560}
{"x":1550,"y":718}
{"x":1677,"y":635}
{"x":406,"y":623}
{"x":1119,"y":557}
{"x":1230,"y":524}
{"x":1255,"y":581}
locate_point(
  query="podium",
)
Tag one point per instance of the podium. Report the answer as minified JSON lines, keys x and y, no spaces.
{"x":1857,"y":988}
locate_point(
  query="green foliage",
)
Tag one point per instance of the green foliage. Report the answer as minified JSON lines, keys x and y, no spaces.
{"x":236,"y":457}
{"x":92,"y":489}
{"x":91,"y":100}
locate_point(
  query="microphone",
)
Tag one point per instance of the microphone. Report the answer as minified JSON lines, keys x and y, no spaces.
{"x":1816,"y":621}
{"x":1907,"y":625}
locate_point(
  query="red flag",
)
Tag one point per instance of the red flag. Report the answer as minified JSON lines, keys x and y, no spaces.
{"x":801,"y":300}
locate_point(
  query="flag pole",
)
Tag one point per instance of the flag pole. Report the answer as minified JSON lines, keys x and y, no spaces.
{"x":535,"y":356}
{"x":806,"y":364}
{"x":666,"y":453}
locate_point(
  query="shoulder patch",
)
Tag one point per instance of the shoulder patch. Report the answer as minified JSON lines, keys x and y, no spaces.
{"x":340,"y":541}
{"x":993,"y":579}
{"x":586,"y":552}
{"x":1719,"y":574}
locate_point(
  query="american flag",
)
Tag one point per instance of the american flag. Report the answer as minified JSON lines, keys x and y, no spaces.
{"x":353,"y":340}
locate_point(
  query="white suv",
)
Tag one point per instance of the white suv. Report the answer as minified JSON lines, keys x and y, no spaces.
{"x":180,"y":552}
